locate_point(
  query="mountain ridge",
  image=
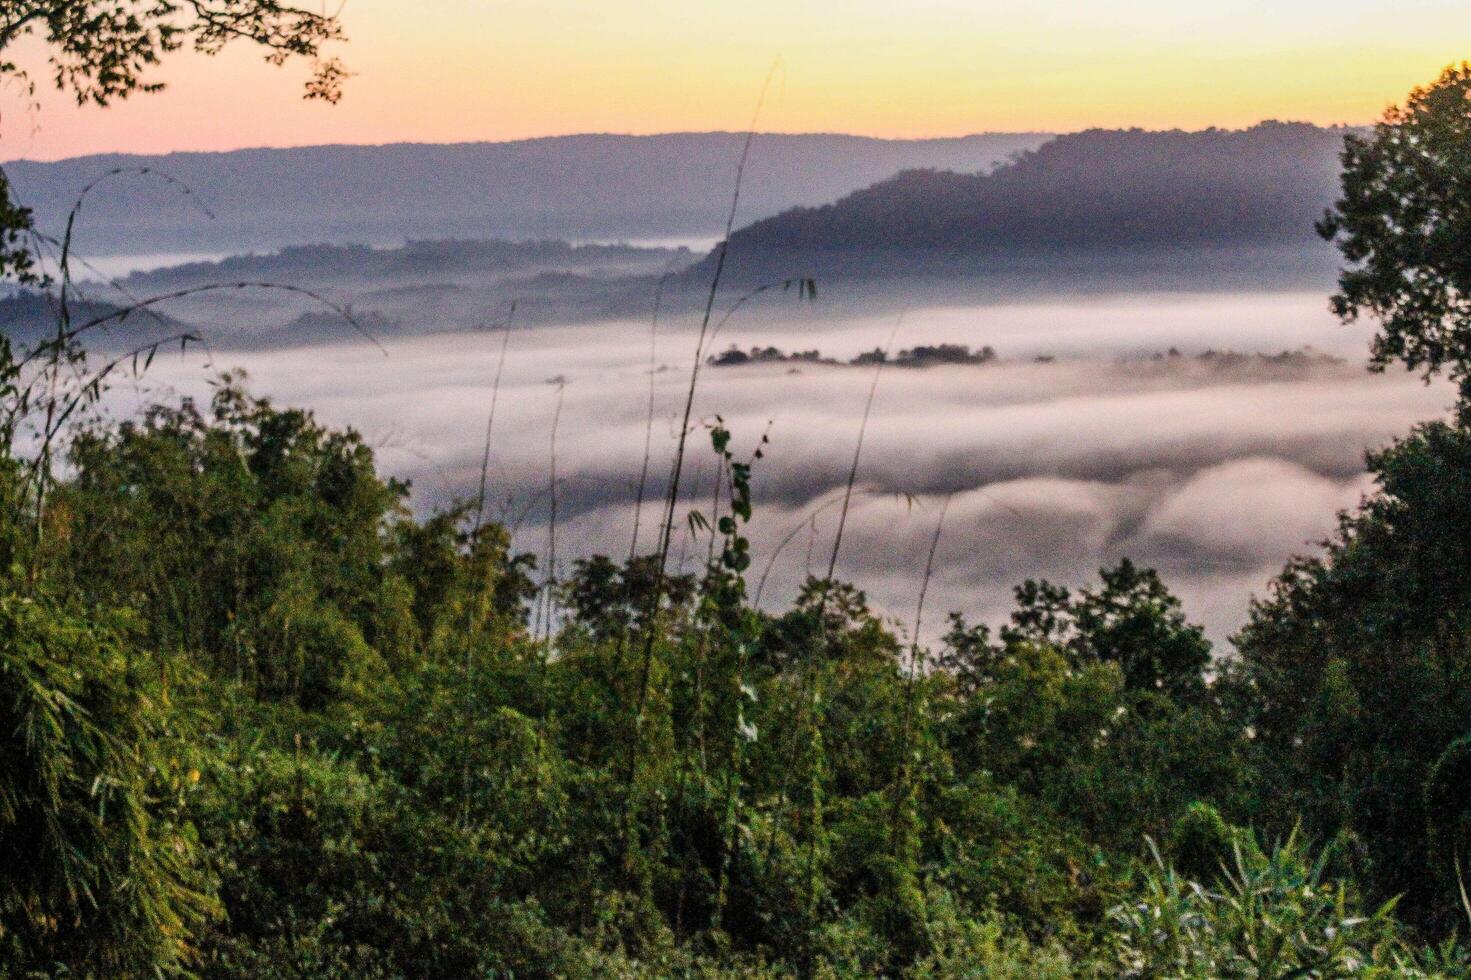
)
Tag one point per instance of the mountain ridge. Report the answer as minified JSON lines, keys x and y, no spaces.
{"x":1093,"y":191}
{"x":580,"y":187}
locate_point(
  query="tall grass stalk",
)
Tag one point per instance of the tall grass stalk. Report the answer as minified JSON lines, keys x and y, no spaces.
{"x":809,"y":518}
{"x":873,"y":387}
{"x":495,"y":390}
{"x":671,"y":503}
{"x":476,"y":613}
{"x":551,"y":575}
{"x":812,"y":683}
{"x":904,"y":788}
{"x":643,"y":473}
{"x":924,"y":587}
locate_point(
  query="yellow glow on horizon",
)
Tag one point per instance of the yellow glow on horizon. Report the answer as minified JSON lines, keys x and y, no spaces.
{"x":453,"y":70}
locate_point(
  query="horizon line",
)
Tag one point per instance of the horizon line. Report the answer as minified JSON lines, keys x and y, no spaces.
{"x":608,"y":134}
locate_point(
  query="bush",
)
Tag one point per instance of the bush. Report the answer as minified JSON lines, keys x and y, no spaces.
{"x":1274,"y":914}
{"x":101,"y":871}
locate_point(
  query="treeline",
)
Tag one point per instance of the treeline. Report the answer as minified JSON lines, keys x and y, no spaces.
{"x":935,"y":355}
{"x":923,"y":355}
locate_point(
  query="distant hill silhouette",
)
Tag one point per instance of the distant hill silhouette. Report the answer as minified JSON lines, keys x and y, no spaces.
{"x":29,"y":318}
{"x":591,"y":187}
{"x":1092,"y":191}
{"x":415,"y":262}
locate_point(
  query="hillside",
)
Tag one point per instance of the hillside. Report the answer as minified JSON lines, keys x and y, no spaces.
{"x":30,"y":318}
{"x":1100,"y":190}
{"x":577,"y":187}
{"x":416,"y":264}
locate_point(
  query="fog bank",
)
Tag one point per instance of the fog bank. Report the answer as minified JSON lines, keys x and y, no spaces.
{"x":1213,"y":470}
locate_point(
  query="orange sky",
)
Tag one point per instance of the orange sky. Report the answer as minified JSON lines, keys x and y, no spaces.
{"x":451,"y":70}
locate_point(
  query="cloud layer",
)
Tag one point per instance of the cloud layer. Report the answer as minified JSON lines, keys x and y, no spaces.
{"x":1214,"y":472}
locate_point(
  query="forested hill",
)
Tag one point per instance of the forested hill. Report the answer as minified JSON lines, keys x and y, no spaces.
{"x":1095,"y":190}
{"x":574,"y":187}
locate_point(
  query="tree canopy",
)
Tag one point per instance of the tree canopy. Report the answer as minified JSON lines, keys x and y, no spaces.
{"x":1403,"y":224}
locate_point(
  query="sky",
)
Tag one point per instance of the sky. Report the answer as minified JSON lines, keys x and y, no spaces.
{"x":460,"y":70}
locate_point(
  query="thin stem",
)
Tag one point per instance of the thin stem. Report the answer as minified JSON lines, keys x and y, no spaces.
{"x":495,"y":390}
{"x":776,"y":552}
{"x":903,"y":788}
{"x":643,"y":473}
{"x":478,"y":597}
{"x":873,"y":388}
{"x":672,"y":497}
{"x":126,"y":311}
{"x":929,"y":567}
{"x":551,"y":582}
{"x":812,"y":686}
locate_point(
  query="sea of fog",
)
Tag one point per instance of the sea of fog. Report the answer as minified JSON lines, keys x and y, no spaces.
{"x":1213,"y":474}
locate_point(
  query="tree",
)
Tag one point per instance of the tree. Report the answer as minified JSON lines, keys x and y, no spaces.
{"x":1357,"y":674}
{"x":1404,"y":226}
{"x":251,"y":536}
{"x":1133,"y":621}
{"x":103,"y":50}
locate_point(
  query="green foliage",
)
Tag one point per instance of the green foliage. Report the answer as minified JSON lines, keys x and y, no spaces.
{"x":1354,"y":674}
{"x":992,"y":847}
{"x":102,"y":874}
{"x":1132,"y":621}
{"x":1403,"y":227}
{"x":984,"y":949}
{"x":399,"y":781}
{"x":1447,"y":806}
{"x":1201,"y":840}
{"x":258,"y":720}
{"x":611,"y":601}
{"x":1273,"y":914}
{"x":16,"y":260}
{"x":252,"y":537}
{"x":1050,"y":709}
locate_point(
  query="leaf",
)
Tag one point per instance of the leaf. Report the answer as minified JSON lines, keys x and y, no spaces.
{"x":746,"y":729}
